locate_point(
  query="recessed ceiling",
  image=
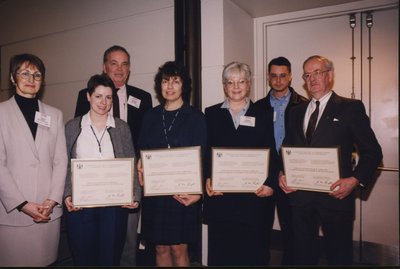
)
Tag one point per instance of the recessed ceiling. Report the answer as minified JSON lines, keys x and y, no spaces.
{"x":260,"y":8}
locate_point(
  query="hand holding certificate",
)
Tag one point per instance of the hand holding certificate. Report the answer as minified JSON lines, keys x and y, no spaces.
{"x":172,"y":171}
{"x":105,"y":182}
{"x":311,"y":169}
{"x":239,"y":170}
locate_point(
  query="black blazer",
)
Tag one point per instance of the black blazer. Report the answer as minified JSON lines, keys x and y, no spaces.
{"x":343,"y":123}
{"x":221,"y":132}
{"x":135,"y":115}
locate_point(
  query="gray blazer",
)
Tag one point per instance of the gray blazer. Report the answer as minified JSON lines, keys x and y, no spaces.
{"x":121,"y":140}
{"x":30,"y":170}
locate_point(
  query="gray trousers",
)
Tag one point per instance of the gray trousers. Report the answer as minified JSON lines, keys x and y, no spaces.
{"x":128,"y":257}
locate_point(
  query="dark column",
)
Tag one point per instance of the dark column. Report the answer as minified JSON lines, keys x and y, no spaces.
{"x":188,"y":42}
{"x":188,"y":52}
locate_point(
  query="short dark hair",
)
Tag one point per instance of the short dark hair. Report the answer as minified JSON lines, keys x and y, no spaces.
{"x":173,"y":69}
{"x":32,"y":60}
{"x":280,"y":61}
{"x":115,"y":48}
{"x":100,"y":80}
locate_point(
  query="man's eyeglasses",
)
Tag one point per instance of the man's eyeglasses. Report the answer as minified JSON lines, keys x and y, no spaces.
{"x":26,"y":75}
{"x":316,"y":74}
{"x":276,"y":76}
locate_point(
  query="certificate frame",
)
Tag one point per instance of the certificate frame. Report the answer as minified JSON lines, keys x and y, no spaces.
{"x":240,"y":179}
{"x":172,"y":171}
{"x":311,"y":168}
{"x":102,"y":182}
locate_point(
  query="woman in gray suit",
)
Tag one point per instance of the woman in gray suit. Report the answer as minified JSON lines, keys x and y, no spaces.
{"x":33,"y":164}
{"x":97,"y":235}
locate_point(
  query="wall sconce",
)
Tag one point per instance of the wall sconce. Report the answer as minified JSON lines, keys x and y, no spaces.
{"x":369,"y":20}
{"x":352,"y":21}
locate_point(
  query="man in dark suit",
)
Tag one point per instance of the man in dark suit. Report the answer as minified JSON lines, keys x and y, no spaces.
{"x":131,"y":105}
{"x":279,"y":101}
{"x":329,"y":120}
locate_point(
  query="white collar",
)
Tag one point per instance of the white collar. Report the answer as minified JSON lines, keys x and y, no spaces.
{"x":86,"y":121}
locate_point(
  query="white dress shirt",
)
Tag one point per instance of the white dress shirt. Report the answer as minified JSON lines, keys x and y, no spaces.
{"x":123,"y":103}
{"x":311,"y":107}
{"x":88,"y":147}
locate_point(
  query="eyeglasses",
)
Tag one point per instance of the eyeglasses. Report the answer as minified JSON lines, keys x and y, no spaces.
{"x":26,"y":75}
{"x":316,"y":74}
{"x":276,"y":76}
{"x":240,"y":83}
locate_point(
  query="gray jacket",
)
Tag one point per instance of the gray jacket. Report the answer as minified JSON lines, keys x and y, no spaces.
{"x":121,"y":140}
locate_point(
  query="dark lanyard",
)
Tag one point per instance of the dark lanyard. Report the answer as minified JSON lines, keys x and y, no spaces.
{"x":101,"y":138}
{"x":170,"y":127}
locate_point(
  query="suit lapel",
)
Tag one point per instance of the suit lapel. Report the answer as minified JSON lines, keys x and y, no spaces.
{"x":130,"y":109}
{"x":40,"y":131}
{"x":300,"y":123}
{"x":24,"y":128}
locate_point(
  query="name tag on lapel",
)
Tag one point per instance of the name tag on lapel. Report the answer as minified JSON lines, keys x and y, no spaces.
{"x":42,"y":119}
{"x":133,"y":101}
{"x":247,"y":121}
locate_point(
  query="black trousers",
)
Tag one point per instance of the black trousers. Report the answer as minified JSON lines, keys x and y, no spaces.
{"x":337,"y":228}
{"x":285,"y":222}
{"x":96,"y":236}
{"x":237,"y":244}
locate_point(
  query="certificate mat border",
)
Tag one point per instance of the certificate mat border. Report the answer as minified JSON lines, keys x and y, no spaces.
{"x":131,"y":160}
{"x":335,"y":148}
{"x":194,"y":148}
{"x":268,"y":151}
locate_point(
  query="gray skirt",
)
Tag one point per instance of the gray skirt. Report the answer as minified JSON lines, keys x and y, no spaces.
{"x":34,"y":245}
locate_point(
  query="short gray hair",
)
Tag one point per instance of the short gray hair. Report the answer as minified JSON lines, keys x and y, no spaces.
{"x":328,"y":63}
{"x":234,"y":67}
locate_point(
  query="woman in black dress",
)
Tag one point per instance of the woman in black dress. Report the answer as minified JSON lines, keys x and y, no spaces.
{"x":238,"y":233}
{"x":172,"y":222}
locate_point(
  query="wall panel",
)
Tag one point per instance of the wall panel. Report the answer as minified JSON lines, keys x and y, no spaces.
{"x":72,"y":50}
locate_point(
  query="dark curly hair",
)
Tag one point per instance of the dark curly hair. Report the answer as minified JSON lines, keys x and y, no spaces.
{"x":173,"y":69}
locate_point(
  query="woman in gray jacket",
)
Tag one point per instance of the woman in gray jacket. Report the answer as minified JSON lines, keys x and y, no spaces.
{"x":97,"y":235}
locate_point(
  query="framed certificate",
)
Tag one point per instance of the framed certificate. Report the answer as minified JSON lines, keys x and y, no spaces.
{"x":172,"y":171}
{"x":105,"y":182}
{"x":311,"y":169}
{"x":239,"y":170}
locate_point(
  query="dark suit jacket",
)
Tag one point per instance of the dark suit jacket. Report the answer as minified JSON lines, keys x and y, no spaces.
{"x":295,"y":99}
{"x":135,"y":115}
{"x":343,"y":123}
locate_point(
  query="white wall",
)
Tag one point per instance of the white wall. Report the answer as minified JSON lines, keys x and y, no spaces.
{"x":227,"y":35}
{"x":70,"y":36}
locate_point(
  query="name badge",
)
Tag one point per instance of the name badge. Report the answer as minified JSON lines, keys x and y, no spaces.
{"x":133,"y":101}
{"x":274,"y":116}
{"x":247,"y":121}
{"x":42,"y":119}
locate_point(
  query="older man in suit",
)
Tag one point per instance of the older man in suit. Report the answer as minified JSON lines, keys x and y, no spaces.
{"x":130,"y":106}
{"x":329,"y":120}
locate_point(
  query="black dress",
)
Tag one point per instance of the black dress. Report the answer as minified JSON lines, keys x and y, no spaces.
{"x":165,"y":221}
